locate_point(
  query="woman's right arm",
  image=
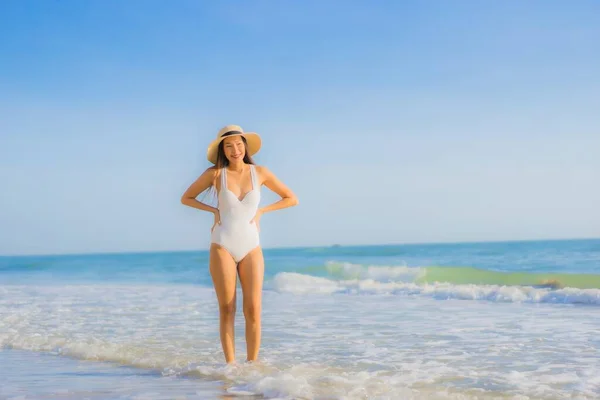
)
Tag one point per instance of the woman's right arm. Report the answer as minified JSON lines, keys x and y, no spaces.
{"x":205,"y":181}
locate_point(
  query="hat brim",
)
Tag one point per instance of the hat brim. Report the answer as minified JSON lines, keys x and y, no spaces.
{"x":253,"y":141}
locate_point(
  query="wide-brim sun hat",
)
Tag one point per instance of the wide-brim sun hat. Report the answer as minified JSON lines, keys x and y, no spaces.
{"x":252,"y":139}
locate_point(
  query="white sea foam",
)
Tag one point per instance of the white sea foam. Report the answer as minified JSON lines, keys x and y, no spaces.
{"x":306,"y":284}
{"x":321,"y":343}
{"x":380,"y":273}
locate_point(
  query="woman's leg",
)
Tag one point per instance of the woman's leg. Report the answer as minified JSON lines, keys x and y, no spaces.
{"x":224,"y":276}
{"x":251,"y":270}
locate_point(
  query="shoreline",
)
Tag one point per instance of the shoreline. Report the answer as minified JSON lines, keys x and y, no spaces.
{"x":44,"y":374}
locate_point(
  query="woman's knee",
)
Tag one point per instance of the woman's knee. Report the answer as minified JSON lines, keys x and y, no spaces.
{"x":252,"y":311}
{"x":227,"y":309}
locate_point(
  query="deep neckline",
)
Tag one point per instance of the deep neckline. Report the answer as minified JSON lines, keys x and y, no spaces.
{"x":243,"y":198}
{"x":252,"y":183}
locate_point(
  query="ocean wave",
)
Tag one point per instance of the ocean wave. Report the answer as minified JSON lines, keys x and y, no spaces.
{"x":296,"y":283}
{"x":460,"y":275}
{"x":300,"y":380}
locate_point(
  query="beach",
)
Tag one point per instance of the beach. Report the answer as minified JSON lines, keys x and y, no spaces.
{"x":46,"y":375}
{"x":338,"y":323}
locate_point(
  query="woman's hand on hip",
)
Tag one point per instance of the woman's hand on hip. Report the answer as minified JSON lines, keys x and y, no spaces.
{"x":256,"y":218}
{"x":217,"y":220}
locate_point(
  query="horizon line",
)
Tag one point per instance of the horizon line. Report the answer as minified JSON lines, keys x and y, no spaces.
{"x":334,"y":245}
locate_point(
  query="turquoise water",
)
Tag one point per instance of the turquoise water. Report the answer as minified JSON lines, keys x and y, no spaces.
{"x":471,"y":320}
{"x":541,"y":259}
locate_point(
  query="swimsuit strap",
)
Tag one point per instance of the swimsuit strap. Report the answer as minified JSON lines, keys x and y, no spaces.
{"x":224,"y":178}
{"x":253,"y":175}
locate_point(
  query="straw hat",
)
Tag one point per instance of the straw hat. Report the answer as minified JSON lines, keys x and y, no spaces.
{"x":252,"y":139}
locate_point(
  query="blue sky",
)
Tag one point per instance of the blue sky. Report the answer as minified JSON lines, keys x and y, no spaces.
{"x":394,"y":122}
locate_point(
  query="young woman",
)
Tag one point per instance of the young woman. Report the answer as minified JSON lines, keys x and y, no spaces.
{"x":235,"y":246}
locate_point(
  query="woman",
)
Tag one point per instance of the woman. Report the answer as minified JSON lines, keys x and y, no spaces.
{"x":235,"y":247}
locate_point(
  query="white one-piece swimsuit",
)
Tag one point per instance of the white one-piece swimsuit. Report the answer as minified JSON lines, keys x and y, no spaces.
{"x":236,"y":233}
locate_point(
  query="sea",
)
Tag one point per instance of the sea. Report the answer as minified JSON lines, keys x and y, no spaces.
{"x":498,"y":320}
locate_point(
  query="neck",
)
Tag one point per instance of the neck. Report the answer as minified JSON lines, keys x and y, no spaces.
{"x":237,"y":166}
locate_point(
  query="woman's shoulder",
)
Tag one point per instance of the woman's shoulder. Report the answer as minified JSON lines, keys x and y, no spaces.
{"x":213,"y":172}
{"x":263,"y":172}
{"x":261,"y":169}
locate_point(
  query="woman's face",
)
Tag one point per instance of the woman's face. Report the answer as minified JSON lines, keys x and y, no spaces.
{"x":234,"y":149}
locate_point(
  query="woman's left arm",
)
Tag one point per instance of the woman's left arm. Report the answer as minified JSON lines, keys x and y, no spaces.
{"x":288,"y":198}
